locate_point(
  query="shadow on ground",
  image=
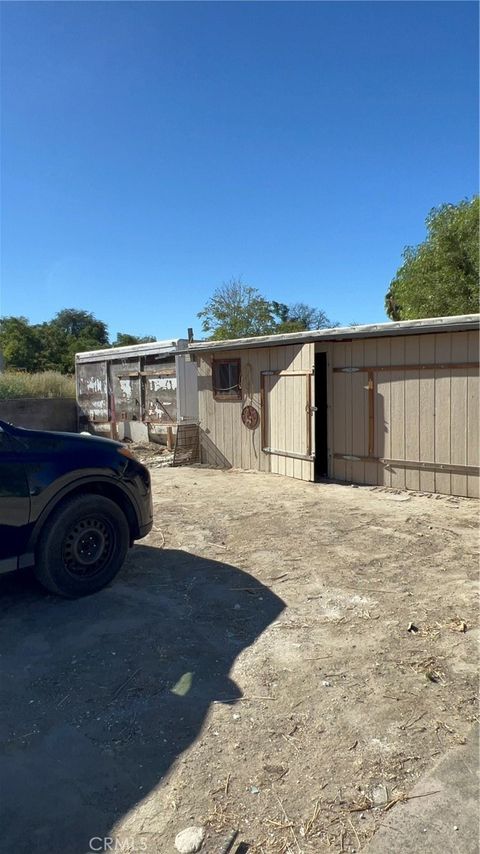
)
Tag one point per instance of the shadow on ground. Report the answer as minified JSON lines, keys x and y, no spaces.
{"x":90,"y":722}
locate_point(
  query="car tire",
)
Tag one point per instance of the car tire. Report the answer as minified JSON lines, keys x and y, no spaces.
{"x":82,"y":546}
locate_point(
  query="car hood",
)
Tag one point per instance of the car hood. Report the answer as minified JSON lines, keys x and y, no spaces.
{"x":81,"y":440}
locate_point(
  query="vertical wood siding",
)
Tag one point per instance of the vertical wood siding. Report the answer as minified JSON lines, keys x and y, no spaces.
{"x":226,"y":441}
{"x":420,"y":415}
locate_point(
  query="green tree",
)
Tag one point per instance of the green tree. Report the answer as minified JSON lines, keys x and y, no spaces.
{"x":123,"y":339}
{"x":54,"y":348}
{"x":299,"y":316}
{"x":79,"y":331}
{"x":51,"y":346}
{"x":20,"y":344}
{"x":81,"y":325}
{"x":237,"y":311}
{"x":440,"y":277}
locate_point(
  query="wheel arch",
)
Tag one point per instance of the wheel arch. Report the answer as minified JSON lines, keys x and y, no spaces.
{"x":98,"y":487}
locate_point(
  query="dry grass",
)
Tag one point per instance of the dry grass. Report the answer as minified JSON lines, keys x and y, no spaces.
{"x":14,"y":385}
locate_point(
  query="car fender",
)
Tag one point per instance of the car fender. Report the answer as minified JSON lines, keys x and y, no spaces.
{"x":76,"y":485}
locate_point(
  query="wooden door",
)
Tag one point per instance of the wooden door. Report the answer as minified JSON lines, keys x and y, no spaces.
{"x":287,"y":416}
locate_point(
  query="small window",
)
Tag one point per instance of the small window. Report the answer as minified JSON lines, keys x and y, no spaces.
{"x":226,"y":379}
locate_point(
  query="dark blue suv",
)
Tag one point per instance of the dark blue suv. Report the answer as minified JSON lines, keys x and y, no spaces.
{"x":70,"y":506}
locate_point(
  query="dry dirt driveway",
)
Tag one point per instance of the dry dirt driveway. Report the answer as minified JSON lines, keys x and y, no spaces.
{"x":251,"y":669}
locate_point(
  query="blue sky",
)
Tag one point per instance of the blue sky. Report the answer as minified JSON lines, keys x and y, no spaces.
{"x":152,"y":151}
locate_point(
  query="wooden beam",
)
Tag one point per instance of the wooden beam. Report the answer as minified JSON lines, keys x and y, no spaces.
{"x":390,"y":368}
{"x":286,"y":373}
{"x":412,"y":464}
{"x":309,"y":457}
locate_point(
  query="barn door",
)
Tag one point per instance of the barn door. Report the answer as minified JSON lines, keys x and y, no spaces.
{"x":287,"y":417}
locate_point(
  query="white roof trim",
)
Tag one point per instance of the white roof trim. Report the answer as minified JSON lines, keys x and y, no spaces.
{"x":132,"y":350}
{"x":458,"y":323}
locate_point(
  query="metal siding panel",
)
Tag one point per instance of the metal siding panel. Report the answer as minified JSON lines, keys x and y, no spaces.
{"x":278,"y":463}
{"x":247,"y":400}
{"x":427,"y":412}
{"x":458,"y":413}
{"x":412,"y":411}
{"x":297,"y":365}
{"x":443,"y":354}
{"x":370,"y":358}
{"x":359,"y":416}
{"x":397,"y":412}
{"x":205,"y":410}
{"x":348,"y":412}
{"x":308,"y":363}
{"x":382,"y":411}
{"x":126,"y":390}
{"x":187,"y":389}
{"x":339,"y":414}
{"x":92,"y":390}
{"x":330,"y":408}
{"x":260,"y":362}
{"x":161,"y":398}
{"x":290,"y":415}
{"x":473,"y":416}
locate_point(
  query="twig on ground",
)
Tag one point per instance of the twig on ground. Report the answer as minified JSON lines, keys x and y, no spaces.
{"x":124,"y":684}
{"x":287,"y":820}
{"x":355,"y":832}
{"x":402,"y":796}
{"x":158,"y":531}
{"x":289,"y":739}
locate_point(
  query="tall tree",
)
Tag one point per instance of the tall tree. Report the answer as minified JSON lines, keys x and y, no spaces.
{"x":81,"y":325}
{"x":52,"y":345}
{"x":20,"y":344}
{"x":124,"y":339}
{"x":80,"y":330}
{"x":440,"y":277}
{"x":237,"y":311}
{"x":299,"y":316}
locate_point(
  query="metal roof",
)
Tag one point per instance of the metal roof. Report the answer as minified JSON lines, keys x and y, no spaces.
{"x":460,"y":323}
{"x":132,"y":350}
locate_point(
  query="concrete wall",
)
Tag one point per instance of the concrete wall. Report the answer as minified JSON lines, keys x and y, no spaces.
{"x":58,"y":414}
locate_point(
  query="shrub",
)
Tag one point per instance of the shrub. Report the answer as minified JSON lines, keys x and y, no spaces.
{"x":15,"y":384}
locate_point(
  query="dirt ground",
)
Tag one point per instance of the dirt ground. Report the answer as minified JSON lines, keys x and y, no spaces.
{"x":251,"y":669}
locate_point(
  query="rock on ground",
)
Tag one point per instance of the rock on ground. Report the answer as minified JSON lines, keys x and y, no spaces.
{"x":190,"y":840}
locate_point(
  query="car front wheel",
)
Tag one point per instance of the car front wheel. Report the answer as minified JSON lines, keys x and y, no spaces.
{"x":82,"y":546}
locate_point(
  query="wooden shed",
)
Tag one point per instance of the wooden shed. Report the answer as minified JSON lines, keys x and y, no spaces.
{"x":394,"y":404}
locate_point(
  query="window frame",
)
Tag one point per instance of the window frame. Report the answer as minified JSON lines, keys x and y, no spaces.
{"x":218,"y":394}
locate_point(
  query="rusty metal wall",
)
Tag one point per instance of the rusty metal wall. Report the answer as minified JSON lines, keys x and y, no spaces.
{"x":92,"y":392}
{"x":126,"y":398}
{"x":160,"y":389}
{"x":139,"y":389}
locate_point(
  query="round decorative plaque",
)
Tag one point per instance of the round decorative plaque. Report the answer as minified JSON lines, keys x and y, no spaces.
{"x":250,"y":417}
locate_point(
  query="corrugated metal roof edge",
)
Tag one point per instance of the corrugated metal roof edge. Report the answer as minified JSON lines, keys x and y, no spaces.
{"x":171,"y":345}
{"x":455,"y":323}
